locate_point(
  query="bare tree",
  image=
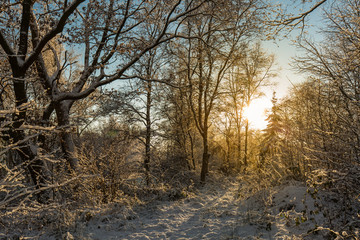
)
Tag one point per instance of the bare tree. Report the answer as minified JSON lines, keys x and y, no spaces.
{"x":335,"y":65}
{"x":16,"y":49}
{"x":107,"y":38}
{"x":209,"y":56}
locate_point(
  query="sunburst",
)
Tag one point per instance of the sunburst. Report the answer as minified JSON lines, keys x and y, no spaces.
{"x":255,"y":113}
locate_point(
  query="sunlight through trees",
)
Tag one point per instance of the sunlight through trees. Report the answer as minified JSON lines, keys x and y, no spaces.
{"x":127,"y":102}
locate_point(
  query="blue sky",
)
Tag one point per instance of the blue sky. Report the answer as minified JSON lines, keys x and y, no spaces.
{"x":284,"y":49}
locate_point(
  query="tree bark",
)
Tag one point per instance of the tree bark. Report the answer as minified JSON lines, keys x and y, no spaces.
{"x":246,"y":145}
{"x":148,"y":130}
{"x":67,"y":143}
{"x":26,"y":150}
{"x":238,"y":126}
{"x":205,"y":159}
{"x":192,"y":149}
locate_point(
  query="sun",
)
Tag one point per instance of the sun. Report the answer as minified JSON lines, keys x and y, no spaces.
{"x":255,"y":113}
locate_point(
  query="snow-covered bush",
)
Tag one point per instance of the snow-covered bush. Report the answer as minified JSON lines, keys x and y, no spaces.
{"x":107,"y":162}
{"x":342,"y":190}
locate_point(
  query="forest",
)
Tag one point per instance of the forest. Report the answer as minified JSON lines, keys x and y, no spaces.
{"x":129,"y":119}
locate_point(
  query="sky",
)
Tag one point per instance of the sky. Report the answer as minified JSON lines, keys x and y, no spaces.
{"x":284,"y":51}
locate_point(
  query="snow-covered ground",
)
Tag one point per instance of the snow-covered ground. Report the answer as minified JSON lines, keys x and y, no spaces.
{"x":218,"y":210}
{"x":213,"y":213}
{"x":221,"y":209}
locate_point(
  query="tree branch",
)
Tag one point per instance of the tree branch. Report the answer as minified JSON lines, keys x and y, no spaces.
{"x":50,"y":35}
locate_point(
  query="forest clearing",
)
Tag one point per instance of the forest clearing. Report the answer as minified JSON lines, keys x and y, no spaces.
{"x":171,"y":119}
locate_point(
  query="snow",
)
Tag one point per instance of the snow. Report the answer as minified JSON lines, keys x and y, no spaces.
{"x":221,"y":209}
{"x":211,"y":214}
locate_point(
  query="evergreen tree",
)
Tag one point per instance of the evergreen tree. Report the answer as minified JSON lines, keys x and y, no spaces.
{"x":270,"y":146}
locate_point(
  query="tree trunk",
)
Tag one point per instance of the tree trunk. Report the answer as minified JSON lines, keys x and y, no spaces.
{"x":147,"y":154}
{"x":148,"y":131}
{"x":45,"y":123}
{"x":246,"y":145}
{"x":192,"y":149}
{"x":26,"y":150}
{"x":238,"y":146}
{"x":67,"y":143}
{"x":205,"y":160}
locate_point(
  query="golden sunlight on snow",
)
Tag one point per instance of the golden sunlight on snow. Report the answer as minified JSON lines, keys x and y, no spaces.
{"x":256,"y":112}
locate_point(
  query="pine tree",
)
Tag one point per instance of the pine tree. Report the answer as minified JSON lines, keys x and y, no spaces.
{"x":270,"y":145}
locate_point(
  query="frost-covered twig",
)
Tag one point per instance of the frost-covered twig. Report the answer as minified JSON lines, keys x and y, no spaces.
{"x":30,"y":191}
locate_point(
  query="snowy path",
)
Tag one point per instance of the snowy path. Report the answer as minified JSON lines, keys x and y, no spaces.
{"x":222,"y":209}
{"x":213,"y":214}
